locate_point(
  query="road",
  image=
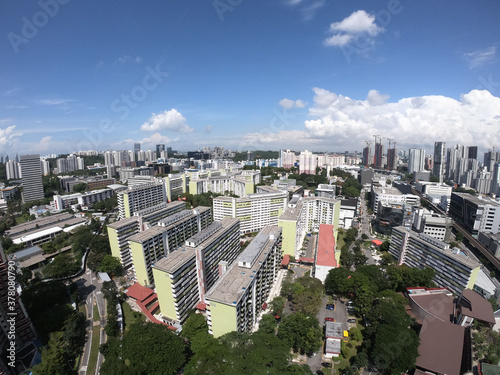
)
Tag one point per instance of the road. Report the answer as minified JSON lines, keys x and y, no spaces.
{"x":90,"y":291}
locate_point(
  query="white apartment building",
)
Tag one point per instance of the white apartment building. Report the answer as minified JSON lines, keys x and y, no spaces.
{"x":254,"y":211}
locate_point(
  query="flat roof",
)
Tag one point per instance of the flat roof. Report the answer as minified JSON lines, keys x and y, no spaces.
{"x":147,"y":234}
{"x":123,"y":222}
{"x":232,"y":285}
{"x":326,"y":246}
{"x":334,"y":330}
{"x":333,"y":345}
{"x":475,"y":199}
{"x":481,"y":309}
{"x":40,"y":223}
{"x":292,"y":213}
{"x":441,"y":346}
{"x":28,"y":252}
{"x":175,"y":260}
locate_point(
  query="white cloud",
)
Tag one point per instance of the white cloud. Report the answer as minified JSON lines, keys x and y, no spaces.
{"x":479,"y":58}
{"x":308,"y":8}
{"x":147,"y":143}
{"x":51,"y":102}
{"x":8,"y":136}
{"x":168,"y":120}
{"x":125,"y":59}
{"x":358,"y":25}
{"x":340,"y":123}
{"x":288,"y":103}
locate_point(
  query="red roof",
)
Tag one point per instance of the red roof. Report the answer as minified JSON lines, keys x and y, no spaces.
{"x":307,"y":260}
{"x":285,"y":260}
{"x":377,"y":242}
{"x":326,"y":247}
{"x":201,"y":306}
{"x":139,"y":292}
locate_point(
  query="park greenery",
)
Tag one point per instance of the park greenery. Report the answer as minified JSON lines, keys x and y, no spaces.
{"x":486,"y":344}
{"x":374,"y":292}
{"x":59,"y":326}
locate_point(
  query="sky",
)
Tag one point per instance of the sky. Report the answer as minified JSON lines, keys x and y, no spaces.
{"x":320,"y":75}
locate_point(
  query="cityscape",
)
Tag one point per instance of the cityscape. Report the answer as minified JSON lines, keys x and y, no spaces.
{"x":232,"y":187}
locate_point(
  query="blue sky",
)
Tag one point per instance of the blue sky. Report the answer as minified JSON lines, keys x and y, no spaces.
{"x":300,"y":74}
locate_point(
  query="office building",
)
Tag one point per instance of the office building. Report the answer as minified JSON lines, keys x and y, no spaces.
{"x":151,"y":245}
{"x":235,"y":301}
{"x":367,"y":156}
{"x":392,"y":195}
{"x":183,"y":277}
{"x":416,"y":160}
{"x":137,"y":147}
{"x":159,"y":150}
{"x":254,"y":211}
{"x":392,"y":159}
{"x":31,"y":171}
{"x":140,"y":197}
{"x":326,"y":191}
{"x":475,"y":213}
{"x":491,"y":241}
{"x":378,"y":157}
{"x":432,"y":224}
{"x":453,"y":269}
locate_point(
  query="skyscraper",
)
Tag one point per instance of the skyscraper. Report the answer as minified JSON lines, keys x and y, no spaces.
{"x":391,"y":159}
{"x":472,"y":152}
{"x":416,"y":160}
{"x":137,"y":147}
{"x":379,"y":153}
{"x":439,"y":160}
{"x":367,"y":156}
{"x":31,"y":171}
{"x":159,"y":149}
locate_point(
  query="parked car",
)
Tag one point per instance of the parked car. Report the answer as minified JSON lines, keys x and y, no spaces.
{"x":326,"y":364}
{"x":351,"y":320}
{"x":319,"y":372}
{"x":329,"y":319}
{"x":330,"y":306}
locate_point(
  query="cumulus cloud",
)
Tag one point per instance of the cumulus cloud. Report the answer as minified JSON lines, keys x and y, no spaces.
{"x":8,"y":136}
{"x":146,"y":143}
{"x":167,"y":120}
{"x":288,"y":103}
{"x":341,"y":123}
{"x":479,"y":58}
{"x":359,"y":24}
{"x":54,"y":101}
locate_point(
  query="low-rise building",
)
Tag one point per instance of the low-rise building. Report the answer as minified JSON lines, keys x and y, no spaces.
{"x":327,"y":257}
{"x":475,"y":213}
{"x":490,"y":241}
{"x":334,"y":333}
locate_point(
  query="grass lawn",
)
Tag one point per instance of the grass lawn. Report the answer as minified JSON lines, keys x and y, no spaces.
{"x":340,"y":240}
{"x":96,"y":313}
{"x":94,"y":350}
{"x":131,"y":316}
{"x":20,"y":220}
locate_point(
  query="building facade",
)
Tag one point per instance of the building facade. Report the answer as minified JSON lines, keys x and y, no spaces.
{"x":236,"y":299}
{"x":140,"y":197}
{"x":31,"y":171}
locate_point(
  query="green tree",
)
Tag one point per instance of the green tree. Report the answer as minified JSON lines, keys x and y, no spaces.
{"x":111,"y":265}
{"x":268,"y":324}
{"x":301,"y":332}
{"x":195,"y":324}
{"x":53,"y":358}
{"x":80,"y":188}
{"x":166,"y":356}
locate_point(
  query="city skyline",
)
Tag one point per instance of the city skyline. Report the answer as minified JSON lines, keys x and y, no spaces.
{"x":311,"y":75}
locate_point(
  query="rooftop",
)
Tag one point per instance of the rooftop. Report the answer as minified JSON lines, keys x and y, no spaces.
{"x":232,"y":285}
{"x":441,"y":346}
{"x":292,"y":213}
{"x":477,"y":199}
{"x":147,"y":234}
{"x":326,"y":247}
{"x":438,"y":305}
{"x":138,"y":292}
{"x":124,"y":222}
{"x":27,"y":253}
{"x":480,"y":309}
{"x":175,"y":260}
{"x":334,"y":330}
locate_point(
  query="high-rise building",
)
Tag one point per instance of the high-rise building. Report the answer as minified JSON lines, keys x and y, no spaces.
{"x":472,"y":152}
{"x":416,"y":160}
{"x":12,"y":170}
{"x":184,"y":276}
{"x":287,"y":159}
{"x":140,"y":197}
{"x":137,"y":147}
{"x":379,"y":156}
{"x":15,"y":325}
{"x":254,"y":211}
{"x":307,"y":162}
{"x":31,"y":170}
{"x":438,"y":168}
{"x":391,"y":159}
{"x":367,"y":156}
{"x":236,"y":299}
{"x":159,"y":149}
{"x":453,"y":270}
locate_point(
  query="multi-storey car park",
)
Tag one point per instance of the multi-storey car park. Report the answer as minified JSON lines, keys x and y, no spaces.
{"x":153,"y":244}
{"x":236,"y":299}
{"x":418,"y":250}
{"x":183,"y":277}
{"x":255,"y":211}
